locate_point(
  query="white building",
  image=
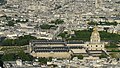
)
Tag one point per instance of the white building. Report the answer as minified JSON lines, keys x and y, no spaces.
{"x":95,"y":42}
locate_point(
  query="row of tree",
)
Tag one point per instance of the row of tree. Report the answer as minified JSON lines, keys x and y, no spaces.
{"x":46,"y":26}
{"x":102,"y":23}
{"x":103,"y":56}
{"x":85,"y":36}
{"x":111,"y":45}
{"x":78,"y":56}
{"x":20,"y":41}
{"x":20,"y":55}
{"x":44,"y":60}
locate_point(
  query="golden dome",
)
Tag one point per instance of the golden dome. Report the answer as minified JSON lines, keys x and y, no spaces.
{"x":95,"y":37}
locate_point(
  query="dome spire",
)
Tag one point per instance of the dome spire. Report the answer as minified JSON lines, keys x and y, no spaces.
{"x":95,"y":28}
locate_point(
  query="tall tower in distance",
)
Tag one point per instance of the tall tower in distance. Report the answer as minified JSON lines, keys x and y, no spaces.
{"x":98,"y":3}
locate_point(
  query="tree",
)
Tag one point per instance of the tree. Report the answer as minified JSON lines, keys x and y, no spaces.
{"x":20,"y":41}
{"x":113,"y":55}
{"x":43,"y":60}
{"x":50,"y":59}
{"x":8,"y":42}
{"x":10,"y":23}
{"x":12,"y":57}
{"x":109,"y":36}
{"x":111,"y":45}
{"x":62,"y":35}
{"x":1,"y":63}
{"x":8,"y":57}
{"x":46,"y":26}
{"x":85,"y":36}
{"x":24,"y":40}
{"x":102,"y":23}
{"x":103,"y":56}
{"x":81,"y":35}
{"x":80,"y":56}
{"x":59,"y":21}
{"x":23,"y":56}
